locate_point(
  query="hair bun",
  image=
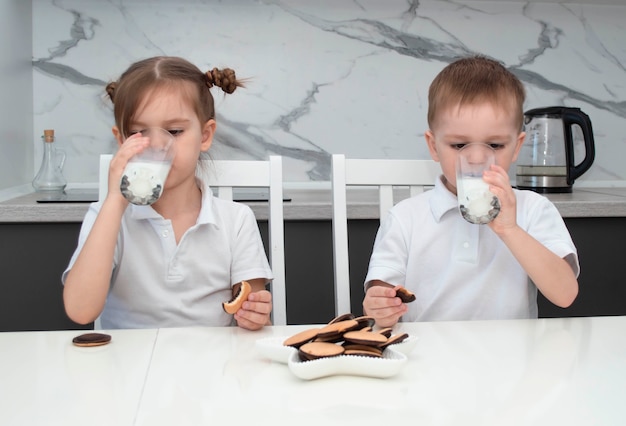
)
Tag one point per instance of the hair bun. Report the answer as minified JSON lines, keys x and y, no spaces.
{"x":224,"y":79}
{"x":110,"y":90}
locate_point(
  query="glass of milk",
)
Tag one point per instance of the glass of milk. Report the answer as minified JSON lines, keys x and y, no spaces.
{"x":477,"y":204}
{"x":144,"y":177}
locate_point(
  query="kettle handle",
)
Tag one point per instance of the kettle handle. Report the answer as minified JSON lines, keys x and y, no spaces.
{"x":573,"y":116}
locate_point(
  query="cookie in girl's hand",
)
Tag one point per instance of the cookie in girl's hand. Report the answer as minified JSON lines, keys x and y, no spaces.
{"x":235,"y":303}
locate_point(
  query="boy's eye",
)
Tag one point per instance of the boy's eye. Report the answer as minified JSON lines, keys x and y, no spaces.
{"x":496,"y":145}
{"x":145,"y":132}
{"x":458,"y":145}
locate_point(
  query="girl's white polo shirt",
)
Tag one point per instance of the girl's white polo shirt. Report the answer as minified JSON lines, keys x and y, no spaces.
{"x":157,"y":283}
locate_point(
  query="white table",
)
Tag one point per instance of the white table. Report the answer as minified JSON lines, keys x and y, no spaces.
{"x":526,"y":372}
{"x":46,"y":380}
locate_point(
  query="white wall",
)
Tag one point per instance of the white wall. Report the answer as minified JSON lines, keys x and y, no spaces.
{"x":334,"y":76}
{"x":16,"y":94}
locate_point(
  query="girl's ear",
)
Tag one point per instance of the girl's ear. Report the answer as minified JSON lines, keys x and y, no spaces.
{"x":208,"y":130}
{"x":118,"y":135}
{"x":430,"y":141}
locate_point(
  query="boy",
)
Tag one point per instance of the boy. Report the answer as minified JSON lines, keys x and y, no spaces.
{"x":458,"y":270}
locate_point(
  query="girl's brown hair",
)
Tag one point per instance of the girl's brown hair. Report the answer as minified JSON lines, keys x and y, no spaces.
{"x":146,"y":76}
{"x":476,"y":79}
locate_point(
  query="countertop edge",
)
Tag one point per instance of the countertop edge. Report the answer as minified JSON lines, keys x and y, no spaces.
{"x":597,"y":202}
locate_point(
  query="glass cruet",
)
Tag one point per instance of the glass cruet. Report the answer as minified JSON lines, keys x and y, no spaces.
{"x":50,"y":176}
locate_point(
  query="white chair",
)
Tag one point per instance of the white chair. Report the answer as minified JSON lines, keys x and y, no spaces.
{"x":226,"y":175}
{"x":380,"y":173}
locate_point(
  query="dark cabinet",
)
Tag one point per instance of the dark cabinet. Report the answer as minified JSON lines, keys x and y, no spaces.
{"x":33,"y":257}
{"x":601,"y":244}
{"x":35,"y":254}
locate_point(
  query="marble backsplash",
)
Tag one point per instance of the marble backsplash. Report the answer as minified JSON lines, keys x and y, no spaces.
{"x":330,"y":76}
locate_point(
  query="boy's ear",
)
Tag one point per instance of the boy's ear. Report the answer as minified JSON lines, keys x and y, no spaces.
{"x":518,"y":145}
{"x":118,"y":135}
{"x":208,"y":130}
{"x":430,"y":141}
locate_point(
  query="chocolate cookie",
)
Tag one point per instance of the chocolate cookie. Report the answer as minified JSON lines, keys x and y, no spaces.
{"x":365,"y":321}
{"x":405,"y":295}
{"x":235,"y":303}
{"x":387,"y":331}
{"x":302,"y":337}
{"x":334,"y":331}
{"x":396,"y":338}
{"x":316,"y":350}
{"x":342,"y":317}
{"x":365,"y":338}
{"x":91,"y":339}
{"x":362,"y":350}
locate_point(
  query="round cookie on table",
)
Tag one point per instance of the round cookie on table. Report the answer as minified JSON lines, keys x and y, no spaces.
{"x":91,"y":339}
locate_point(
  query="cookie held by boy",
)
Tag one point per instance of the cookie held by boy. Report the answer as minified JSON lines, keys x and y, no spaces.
{"x":405,"y":295}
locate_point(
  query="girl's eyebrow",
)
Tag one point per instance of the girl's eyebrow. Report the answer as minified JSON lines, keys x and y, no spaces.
{"x":163,"y":123}
{"x":176,"y":121}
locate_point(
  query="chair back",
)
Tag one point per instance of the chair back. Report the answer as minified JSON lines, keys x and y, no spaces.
{"x":383,"y":174}
{"x":224,"y":175}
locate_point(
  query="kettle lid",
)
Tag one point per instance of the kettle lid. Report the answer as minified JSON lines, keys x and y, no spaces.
{"x":553,"y":111}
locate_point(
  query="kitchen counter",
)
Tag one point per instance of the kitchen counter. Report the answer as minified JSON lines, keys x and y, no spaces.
{"x":315,"y":204}
{"x":47,"y":232}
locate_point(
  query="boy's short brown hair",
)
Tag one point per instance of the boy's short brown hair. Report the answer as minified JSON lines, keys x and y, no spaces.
{"x":476,"y":79}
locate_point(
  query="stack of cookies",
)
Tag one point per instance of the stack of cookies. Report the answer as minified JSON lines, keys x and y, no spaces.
{"x":344,"y":335}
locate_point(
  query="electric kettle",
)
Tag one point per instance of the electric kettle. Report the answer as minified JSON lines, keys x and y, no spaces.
{"x":546,"y":162}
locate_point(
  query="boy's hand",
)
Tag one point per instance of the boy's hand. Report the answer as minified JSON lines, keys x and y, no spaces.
{"x":255,"y":311}
{"x":499,"y":184}
{"x":383,"y":305}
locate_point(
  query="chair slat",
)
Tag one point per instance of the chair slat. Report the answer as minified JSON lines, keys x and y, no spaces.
{"x":383,"y":174}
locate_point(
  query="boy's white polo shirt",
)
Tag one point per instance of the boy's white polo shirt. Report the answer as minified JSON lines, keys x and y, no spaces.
{"x":458,"y":270}
{"x":158,"y":283}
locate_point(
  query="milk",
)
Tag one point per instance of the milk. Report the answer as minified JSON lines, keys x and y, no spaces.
{"x":143,"y":181}
{"x":478,"y":205}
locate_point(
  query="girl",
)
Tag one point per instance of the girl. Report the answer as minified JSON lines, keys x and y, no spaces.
{"x":175,"y":262}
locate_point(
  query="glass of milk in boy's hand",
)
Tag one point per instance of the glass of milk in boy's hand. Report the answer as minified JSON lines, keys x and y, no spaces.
{"x":477,"y":204}
{"x":144,"y":176}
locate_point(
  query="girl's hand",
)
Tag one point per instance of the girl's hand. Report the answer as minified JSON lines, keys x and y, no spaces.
{"x":499,"y":184}
{"x":381,"y":303}
{"x":131,"y":146}
{"x":255,"y":311}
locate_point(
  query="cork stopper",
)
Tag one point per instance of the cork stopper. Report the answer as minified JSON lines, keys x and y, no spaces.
{"x":48,"y":135}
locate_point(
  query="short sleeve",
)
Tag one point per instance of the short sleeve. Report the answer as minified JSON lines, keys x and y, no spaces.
{"x":88,"y":222}
{"x":546,"y":225}
{"x":390,"y":253}
{"x":249,"y":260}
